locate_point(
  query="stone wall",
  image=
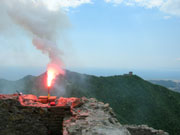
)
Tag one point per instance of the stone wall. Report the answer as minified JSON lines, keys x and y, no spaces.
{"x":16,"y":119}
{"x":55,"y":119}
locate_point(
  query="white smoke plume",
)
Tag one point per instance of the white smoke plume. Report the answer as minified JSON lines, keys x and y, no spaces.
{"x":43,"y":21}
{"x":40,"y":20}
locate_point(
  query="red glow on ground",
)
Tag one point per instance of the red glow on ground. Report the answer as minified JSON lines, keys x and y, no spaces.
{"x":52,"y":71}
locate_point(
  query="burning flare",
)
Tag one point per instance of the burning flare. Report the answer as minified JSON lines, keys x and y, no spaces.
{"x":50,"y":77}
{"x":53,"y":70}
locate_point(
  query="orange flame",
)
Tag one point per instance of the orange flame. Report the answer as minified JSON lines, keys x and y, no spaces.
{"x":52,"y":71}
{"x":50,"y":77}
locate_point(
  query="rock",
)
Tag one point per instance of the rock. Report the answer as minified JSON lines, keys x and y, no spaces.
{"x":106,"y":105}
{"x":144,"y":130}
{"x":93,"y":120}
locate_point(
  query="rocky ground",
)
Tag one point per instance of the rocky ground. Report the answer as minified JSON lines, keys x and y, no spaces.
{"x":93,"y":118}
{"x":24,"y":115}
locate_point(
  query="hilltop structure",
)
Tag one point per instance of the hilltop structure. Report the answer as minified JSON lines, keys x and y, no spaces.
{"x":129,"y":74}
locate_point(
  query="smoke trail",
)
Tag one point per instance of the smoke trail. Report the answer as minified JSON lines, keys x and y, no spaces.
{"x":41,"y":22}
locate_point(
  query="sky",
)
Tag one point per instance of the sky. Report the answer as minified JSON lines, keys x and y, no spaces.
{"x":105,"y":37}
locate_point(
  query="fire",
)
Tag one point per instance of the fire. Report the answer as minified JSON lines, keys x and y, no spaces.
{"x":50,"y":77}
{"x":52,"y":71}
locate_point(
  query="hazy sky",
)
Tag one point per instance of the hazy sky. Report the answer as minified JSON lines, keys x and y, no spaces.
{"x":104,"y":34}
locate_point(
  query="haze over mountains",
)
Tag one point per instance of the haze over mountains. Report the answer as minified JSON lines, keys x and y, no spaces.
{"x":134,"y":100}
{"x":170,"y":84}
{"x":16,"y":73}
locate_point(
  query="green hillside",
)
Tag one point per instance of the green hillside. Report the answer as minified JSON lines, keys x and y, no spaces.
{"x":134,"y":100}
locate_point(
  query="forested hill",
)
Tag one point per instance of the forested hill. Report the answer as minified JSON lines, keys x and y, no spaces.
{"x":134,"y":100}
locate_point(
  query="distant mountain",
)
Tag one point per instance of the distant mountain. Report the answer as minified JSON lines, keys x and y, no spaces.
{"x":170,"y":84}
{"x":134,"y":100}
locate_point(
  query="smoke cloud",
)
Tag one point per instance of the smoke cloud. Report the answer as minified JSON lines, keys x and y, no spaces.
{"x":41,"y":22}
